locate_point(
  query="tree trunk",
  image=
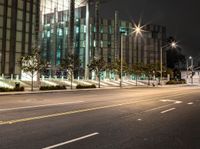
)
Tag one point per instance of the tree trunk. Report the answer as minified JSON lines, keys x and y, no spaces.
{"x":32,"y":75}
{"x":71,"y":80}
{"x":99,"y":80}
{"x":148,"y":80}
{"x":38,"y":80}
{"x":136,"y":79}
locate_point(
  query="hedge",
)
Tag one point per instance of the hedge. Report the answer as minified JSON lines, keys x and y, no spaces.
{"x":80,"y":86}
{"x":53,"y":87}
{"x":16,"y":89}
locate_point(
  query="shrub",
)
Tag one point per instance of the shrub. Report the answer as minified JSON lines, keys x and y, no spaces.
{"x":58,"y":87}
{"x":16,"y":89}
{"x":80,"y":86}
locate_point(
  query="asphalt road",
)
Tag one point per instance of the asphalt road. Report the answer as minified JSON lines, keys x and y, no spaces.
{"x":139,"y":118}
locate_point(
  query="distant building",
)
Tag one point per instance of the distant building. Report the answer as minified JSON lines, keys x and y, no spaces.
{"x":19,"y":23}
{"x":191,"y":78}
{"x":106,"y":43}
{"x":45,"y":23}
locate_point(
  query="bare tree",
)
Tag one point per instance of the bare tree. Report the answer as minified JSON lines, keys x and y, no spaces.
{"x":98,"y":65}
{"x":32,"y":64}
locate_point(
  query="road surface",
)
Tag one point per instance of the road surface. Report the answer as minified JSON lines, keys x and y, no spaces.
{"x":138,"y":118}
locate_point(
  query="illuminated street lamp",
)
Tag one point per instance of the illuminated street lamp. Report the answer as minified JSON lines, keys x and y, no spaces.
{"x":137,"y":30}
{"x":172,"y":45}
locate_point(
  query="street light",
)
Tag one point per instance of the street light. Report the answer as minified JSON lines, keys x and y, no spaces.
{"x":121,"y":63}
{"x":191,"y":58}
{"x":137,"y":30}
{"x":173,"y":45}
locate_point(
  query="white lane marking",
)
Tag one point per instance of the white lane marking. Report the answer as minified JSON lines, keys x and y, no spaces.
{"x":73,"y":140}
{"x":190,"y":103}
{"x":159,"y":107}
{"x":38,"y":106}
{"x":168,"y":100}
{"x":167,"y":110}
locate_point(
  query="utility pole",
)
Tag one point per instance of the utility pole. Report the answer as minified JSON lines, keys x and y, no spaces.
{"x":71,"y":27}
{"x":116,"y":36}
{"x":87,"y":48}
{"x":97,"y":51}
{"x":121,"y":61}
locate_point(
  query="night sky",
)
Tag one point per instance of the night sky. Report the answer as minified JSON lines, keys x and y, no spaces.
{"x":181,"y":17}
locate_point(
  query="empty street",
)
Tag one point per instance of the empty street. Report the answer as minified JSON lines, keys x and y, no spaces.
{"x":131,"y":118}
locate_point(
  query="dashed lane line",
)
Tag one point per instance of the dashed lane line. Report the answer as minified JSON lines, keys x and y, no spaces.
{"x":71,"y":141}
{"x":190,"y":103}
{"x":167,"y":110}
{"x":157,"y":108}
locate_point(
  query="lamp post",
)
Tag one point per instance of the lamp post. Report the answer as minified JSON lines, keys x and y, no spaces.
{"x":173,"y":45}
{"x":137,"y":29}
{"x":121,"y":63}
{"x":191,"y":58}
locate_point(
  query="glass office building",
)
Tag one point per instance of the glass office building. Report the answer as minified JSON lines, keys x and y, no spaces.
{"x":19,"y":25}
{"x":54,"y":45}
{"x":46,"y":23}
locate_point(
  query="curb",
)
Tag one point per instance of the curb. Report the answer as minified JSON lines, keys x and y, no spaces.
{"x":67,"y":90}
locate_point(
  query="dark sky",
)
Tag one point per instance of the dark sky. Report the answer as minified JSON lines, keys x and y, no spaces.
{"x":181,"y":17}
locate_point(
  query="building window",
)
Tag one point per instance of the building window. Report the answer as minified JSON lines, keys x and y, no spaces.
{"x":60,"y":33}
{"x":48,"y":34}
{"x":1,"y":10}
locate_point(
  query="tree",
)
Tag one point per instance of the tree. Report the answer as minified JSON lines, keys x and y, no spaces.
{"x":71,"y":64}
{"x":150,"y":70}
{"x":110,"y":67}
{"x":98,"y":65}
{"x":137,"y":69}
{"x":32,"y":64}
{"x":117,"y":67}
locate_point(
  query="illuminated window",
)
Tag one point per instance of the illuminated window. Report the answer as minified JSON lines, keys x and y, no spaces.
{"x":84,"y":28}
{"x":48,"y":34}
{"x":77,"y":30}
{"x":60,"y":33}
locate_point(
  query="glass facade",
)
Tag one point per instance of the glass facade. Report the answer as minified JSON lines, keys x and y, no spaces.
{"x":18,"y":23}
{"x":47,"y":23}
{"x":145,"y":49}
